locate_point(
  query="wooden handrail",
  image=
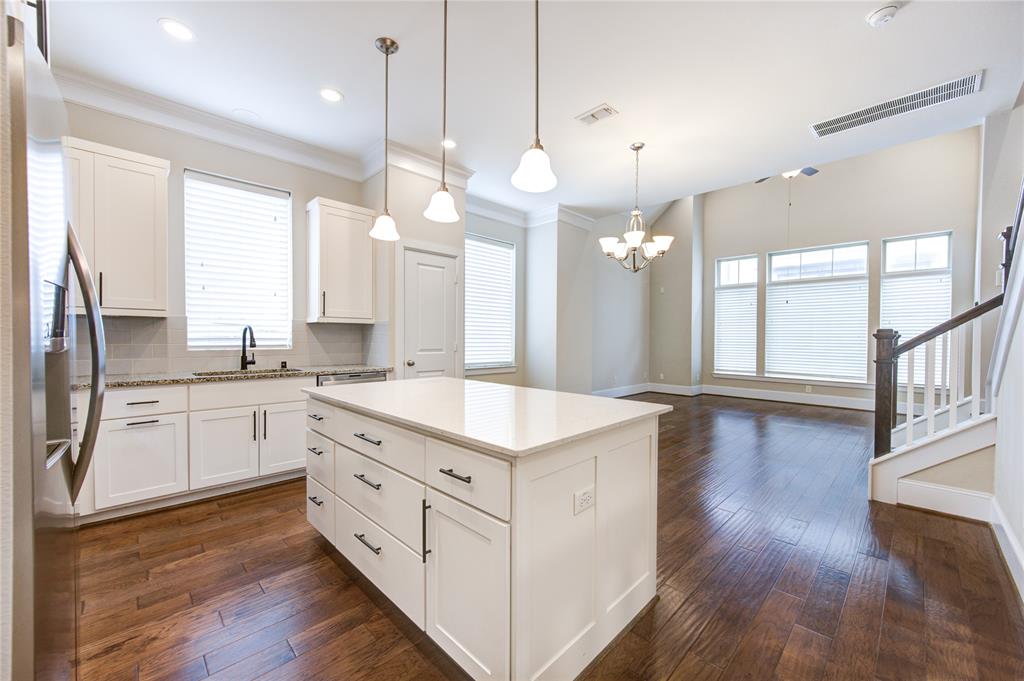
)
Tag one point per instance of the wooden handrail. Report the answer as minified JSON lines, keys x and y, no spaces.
{"x":946,"y":326}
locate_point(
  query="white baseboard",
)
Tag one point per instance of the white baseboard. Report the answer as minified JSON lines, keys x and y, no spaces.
{"x":670,"y":389}
{"x":624,"y":390}
{"x":965,"y":503}
{"x":860,"y":403}
{"x":1009,"y":546}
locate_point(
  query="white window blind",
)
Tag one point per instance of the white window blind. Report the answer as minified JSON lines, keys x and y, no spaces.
{"x":736,"y":316}
{"x":238,"y":257}
{"x":490,"y":299}
{"x":816,"y":316}
{"x":917,"y":294}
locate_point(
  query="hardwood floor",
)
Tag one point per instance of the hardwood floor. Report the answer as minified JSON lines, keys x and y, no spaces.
{"x":771,"y":565}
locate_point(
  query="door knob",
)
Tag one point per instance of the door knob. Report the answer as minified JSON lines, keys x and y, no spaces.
{"x":410,"y":363}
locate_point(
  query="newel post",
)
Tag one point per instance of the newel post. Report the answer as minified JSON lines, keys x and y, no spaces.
{"x":1006,"y":235}
{"x":885,"y":389}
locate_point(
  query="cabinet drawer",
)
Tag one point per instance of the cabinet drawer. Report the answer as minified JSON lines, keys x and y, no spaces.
{"x":248,"y":392}
{"x":320,"y":508}
{"x":126,"y":403}
{"x":393,"y":446}
{"x":390,"y":499}
{"x":320,"y":459}
{"x":479,"y":480}
{"x":384,"y":560}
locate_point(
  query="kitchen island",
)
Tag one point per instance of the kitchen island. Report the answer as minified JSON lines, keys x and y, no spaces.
{"x":516,"y":526}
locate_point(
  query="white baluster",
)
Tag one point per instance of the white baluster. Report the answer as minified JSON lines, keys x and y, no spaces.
{"x":910,"y":397}
{"x":954,"y":373}
{"x":944,"y":373}
{"x":975,"y":368}
{"x":929,"y":385}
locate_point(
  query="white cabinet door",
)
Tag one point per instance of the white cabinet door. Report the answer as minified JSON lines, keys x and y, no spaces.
{"x":468,"y":586}
{"x":346,"y":265}
{"x":80,"y":195}
{"x":283,"y":443}
{"x":140,"y":458}
{"x":430,"y":324}
{"x":131,"y":234}
{"x":223,"y":446}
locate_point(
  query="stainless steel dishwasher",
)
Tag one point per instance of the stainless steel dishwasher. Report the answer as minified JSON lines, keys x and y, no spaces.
{"x":354,"y":377}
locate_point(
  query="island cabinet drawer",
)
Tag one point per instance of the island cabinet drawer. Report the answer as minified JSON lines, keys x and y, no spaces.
{"x":392,"y":567}
{"x":392,"y":500}
{"x":320,"y":459}
{"x":121,"y":404}
{"x":320,"y":508}
{"x":388,"y":444}
{"x":479,"y":480}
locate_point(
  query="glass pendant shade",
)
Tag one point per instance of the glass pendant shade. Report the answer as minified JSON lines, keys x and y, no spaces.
{"x":650,"y":249}
{"x":608,"y":244}
{"x":441,"y":207}
{"x":663,"y":242}
{"x":620,"y":250}
{"x":384,"y":228}
{"x":534,"y":172}
{"x":634,"y":238}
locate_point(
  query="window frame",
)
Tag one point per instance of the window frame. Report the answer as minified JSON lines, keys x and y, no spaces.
{"x":257,"y":188}
{"x":755,"y":285}
{"x":948,"y":233}
{"x":503,"y":367}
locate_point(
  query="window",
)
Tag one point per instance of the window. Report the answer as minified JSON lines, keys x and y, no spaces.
{"x":816,"y":316}
{"x":238,"y":262}
{"x":736,"y":315}
{"x":917,"y":293}
{"x":490,"y":292}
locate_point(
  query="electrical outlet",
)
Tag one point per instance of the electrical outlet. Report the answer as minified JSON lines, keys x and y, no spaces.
{"x":661,"y":377}
{"x":807,"y":388}
{"x":582,"y":500}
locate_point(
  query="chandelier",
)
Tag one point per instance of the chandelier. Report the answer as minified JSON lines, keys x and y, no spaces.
{"x":636,"y":251}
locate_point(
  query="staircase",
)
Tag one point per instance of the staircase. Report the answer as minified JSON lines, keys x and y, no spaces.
{"x":934,"y":442}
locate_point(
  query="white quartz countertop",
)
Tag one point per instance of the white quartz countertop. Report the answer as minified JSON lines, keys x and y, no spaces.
{"x":505,"y":419}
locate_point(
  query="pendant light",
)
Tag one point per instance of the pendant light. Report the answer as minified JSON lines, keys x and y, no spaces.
{"x":442,"y":206}
{"x":534,"y":171}
{"x":384,"y":227}
{"x":634,"y":252}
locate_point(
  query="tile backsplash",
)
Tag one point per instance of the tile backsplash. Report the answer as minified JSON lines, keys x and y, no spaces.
{"x":145,"y":345}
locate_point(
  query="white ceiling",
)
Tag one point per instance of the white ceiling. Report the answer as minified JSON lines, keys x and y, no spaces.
{"x":721,"y":92}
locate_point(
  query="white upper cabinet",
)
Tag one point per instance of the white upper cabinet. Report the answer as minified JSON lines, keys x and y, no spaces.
{"x":340,"y":262}
{"x":119,"y":209}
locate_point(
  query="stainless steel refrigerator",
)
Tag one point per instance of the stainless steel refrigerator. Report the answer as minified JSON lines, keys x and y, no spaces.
{"x":47,"y":468}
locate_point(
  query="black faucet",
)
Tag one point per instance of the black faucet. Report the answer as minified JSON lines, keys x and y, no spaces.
{"x":248,"y":361}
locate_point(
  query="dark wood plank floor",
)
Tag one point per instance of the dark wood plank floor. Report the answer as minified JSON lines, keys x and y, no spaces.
{"x":771,"y":565}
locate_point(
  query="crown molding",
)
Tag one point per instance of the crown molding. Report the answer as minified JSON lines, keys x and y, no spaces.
{"x":575,"y":218}
{"x":542,"y":216}
{"x":559,"y":213}
{"x":495,"y":211}
{"x":407,"y":158}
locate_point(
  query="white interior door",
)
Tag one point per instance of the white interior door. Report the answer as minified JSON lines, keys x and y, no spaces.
{"x":431,"y":298}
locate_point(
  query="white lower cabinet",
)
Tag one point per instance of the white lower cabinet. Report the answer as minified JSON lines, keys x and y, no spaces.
{"x":283,"y":443}
{"x":468,"y":586}
{"x":140,"y":458}
{"x":223,"y":446}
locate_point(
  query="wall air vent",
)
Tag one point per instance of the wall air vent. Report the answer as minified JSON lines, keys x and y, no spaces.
{"x":598,"y":113}
{"x":954,"y":89}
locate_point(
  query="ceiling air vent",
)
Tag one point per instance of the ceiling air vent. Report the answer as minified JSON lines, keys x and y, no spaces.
{"x":598,"y":113}
{"x":954,"y":89}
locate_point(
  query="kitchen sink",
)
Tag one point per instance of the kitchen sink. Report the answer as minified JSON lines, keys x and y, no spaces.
{"x":244,"y":372}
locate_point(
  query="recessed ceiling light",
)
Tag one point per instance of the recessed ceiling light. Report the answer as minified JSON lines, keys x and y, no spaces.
{"x":176,"y":29}
{"x":448,"y":144}
{"x":882,"y":16}
{"x":330,"y":94}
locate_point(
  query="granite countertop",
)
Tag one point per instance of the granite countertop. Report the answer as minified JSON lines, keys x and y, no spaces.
{"x":503,"y":419}
{"x":188,"y":377}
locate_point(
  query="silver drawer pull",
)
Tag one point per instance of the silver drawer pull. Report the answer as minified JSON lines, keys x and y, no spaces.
{"x":362,"y":478}
{"x":365,"y":438}
{"x":315,"y":417}
{"x":142,"y":423}
{"x":314,"y":450}
{"x":362,"y":538}
{"x":132,"y":404}
{"x":316,"y":501}
{"x":452,"y":474}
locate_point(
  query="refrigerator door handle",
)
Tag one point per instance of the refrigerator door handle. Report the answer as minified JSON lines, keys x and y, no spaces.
{"x":98,"y":353}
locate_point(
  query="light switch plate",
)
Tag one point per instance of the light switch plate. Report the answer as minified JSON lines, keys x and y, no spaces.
{"x":582,"y":500}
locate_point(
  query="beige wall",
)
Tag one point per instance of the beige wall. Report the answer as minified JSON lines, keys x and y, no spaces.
{"x":477,"y":224}
{"x":574,"y":315}
{"x":621,"y":318}
{"x":923,"y":186}
{"x":541,"y":305}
